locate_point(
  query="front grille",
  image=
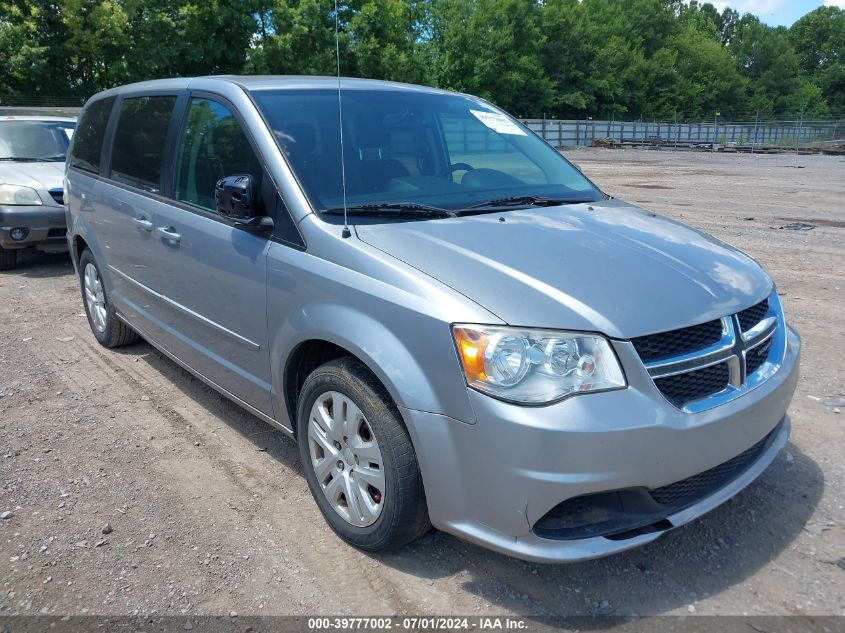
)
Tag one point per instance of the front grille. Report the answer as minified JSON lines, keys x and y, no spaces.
{"x":689,"y":339}
{"x":681,"y":389}
{"x":57,"y":233}
{"x":688,"y":491}
{"x":750,"y":317}
{"x":58,"y":195}
{"x":706,"y":365}
{"x":757,"y":357}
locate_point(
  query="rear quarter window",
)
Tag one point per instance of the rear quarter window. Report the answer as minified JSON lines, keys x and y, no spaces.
{"x":88,"y":138}
{"x":139,"y":140}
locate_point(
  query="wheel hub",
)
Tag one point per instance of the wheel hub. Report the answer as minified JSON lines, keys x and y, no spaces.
{"x":346,"y":458}
{"x":95,"y":297}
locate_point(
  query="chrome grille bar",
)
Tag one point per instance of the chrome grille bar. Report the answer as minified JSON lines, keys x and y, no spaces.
{"x":731,"y":349}
{"x":698,"y":359}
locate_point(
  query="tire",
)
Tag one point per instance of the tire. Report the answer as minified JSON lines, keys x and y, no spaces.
{"x":107,"y":328}
{"x":8,"y":259}
{"x":401,"y":515}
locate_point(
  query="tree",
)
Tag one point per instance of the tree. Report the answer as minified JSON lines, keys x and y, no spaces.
{"x":78,"y":47}
{"x":67,"y":48}
{"x":386,"y":40}
{"x":491,"y":48}
{"x":596,"y":56}
{"x":566,"y":58}
{"x":819,"y":41}
{"x":297,"y":37}
{"x":704,"y":78}
{"x":766,"y":56}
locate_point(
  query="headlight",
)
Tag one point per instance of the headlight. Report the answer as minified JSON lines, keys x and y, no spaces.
{"x":15,"y":194}
{"x":536,"y":366}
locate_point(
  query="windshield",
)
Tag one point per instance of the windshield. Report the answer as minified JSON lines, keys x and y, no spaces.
{"x":22,"y":140}
{"x":440,"y":150}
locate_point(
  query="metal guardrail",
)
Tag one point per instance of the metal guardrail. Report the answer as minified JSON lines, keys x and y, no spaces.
{"x":38,"y":110}
{"x":794,"y":134}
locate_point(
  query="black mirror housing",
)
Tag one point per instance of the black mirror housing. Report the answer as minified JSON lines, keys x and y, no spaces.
{"x":236,"y":198}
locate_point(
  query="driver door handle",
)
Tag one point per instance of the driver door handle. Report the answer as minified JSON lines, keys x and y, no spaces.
{"x":169,"y":234}
{"x":143,"y":223}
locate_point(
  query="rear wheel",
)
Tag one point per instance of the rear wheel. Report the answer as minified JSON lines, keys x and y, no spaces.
{"x":108,"y":329}
{"x":8,"y":259}
{"x":358,"y":458}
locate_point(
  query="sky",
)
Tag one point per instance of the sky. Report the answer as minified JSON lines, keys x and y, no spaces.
{"x":777,"y":12}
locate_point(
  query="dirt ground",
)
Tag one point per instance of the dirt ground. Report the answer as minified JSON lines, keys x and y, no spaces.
{"x":208,"y":512}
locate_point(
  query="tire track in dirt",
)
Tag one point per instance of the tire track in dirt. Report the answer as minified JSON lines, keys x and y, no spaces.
{"x":260,"y":485}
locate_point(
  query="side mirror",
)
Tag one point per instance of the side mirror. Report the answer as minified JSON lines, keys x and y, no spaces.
{"x":237,"y":200}
{"x":235,"y":197}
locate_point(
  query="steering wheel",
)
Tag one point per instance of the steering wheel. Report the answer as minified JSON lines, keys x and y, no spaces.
{"x":451,"y":169}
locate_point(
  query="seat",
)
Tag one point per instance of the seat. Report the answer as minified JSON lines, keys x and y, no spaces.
{"x":373,"y":171}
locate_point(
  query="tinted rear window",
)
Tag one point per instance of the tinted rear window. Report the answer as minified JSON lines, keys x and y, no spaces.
{"x":139,"y":141}
{"x":88,"y":139}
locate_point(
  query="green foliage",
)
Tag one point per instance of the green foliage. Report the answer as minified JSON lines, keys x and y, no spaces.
{"x":819,"y":41}
{"x":490,"y":48}
{"x":702,"y":75}
{"x":567,"y":58}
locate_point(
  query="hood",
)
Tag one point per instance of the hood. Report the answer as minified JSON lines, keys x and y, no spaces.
{"x":609,"y":267}
{"x":42,"y":176}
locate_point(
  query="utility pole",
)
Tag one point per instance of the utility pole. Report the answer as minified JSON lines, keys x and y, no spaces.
{"x":676,"y":129}
{"x":800,"y":127}
{"x":715,"y":129}
{"x":756,"y":123}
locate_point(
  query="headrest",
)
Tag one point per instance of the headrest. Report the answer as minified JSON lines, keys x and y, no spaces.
{"x":369,"y":133}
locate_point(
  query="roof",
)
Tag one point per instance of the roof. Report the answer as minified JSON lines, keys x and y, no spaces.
{"x":266,"y":82}
{"x":270,"y":82}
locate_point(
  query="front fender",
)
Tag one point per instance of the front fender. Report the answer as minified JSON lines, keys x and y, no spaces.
{"x":395,"y":319}
{"x":399,"y":366}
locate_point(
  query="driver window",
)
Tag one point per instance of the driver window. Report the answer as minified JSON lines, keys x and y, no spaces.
{"x":212,"y":146}
{"x":473,"y":145}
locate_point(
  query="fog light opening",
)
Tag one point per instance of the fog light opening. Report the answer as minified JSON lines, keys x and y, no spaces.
{"x":19,"y":234}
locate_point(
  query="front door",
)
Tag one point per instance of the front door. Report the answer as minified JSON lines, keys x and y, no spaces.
{"x":212,"y":276}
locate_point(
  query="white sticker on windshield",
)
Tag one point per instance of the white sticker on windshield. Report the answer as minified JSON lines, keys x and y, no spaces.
{"x":498,"y":122}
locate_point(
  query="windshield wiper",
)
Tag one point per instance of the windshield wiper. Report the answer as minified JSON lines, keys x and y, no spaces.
{"x":30,"y":159}
{"x":393,"y":209}
{"x":519,"y":201}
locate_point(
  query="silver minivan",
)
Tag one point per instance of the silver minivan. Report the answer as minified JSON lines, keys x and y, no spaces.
{"x":458,"y":327}
{"x":32,"y":165}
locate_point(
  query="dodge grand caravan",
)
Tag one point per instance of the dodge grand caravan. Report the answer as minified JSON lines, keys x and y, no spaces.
{"x":458,"y":327}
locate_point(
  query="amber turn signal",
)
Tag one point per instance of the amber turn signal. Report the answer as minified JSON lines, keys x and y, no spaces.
{"x":471,"y":347}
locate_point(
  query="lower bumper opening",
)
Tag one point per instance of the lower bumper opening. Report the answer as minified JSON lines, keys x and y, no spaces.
{"x":623,"y":514}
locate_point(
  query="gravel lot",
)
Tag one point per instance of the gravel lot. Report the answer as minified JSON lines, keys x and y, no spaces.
{"x":208,"y":513}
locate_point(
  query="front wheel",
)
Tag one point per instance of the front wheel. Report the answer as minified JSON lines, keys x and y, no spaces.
{"x":108,"y":329}
{"x":358,"y":458}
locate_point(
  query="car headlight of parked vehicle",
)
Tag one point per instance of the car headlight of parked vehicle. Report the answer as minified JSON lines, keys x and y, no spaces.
{"x":530,"y":366}
{"x":17,"y":194}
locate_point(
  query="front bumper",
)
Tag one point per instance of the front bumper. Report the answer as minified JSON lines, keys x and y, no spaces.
{"x":46,"y":225}
{"x":490,"y":482}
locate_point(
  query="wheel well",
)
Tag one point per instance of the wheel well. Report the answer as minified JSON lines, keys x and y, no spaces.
{"x":306,"y":358}
{"x":79,"y":245}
